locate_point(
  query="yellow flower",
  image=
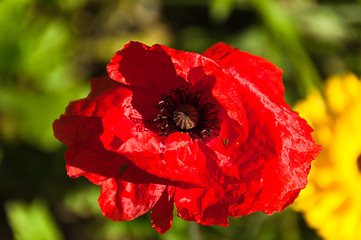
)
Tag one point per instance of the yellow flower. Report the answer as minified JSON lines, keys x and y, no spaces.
{"x":331,"y":202}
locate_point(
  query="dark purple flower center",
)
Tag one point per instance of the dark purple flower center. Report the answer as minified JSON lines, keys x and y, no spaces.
{"x":184,"y":111}
{"x":186,"y":116}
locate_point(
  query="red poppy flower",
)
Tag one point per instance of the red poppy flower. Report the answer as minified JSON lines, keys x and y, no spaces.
{"x":210,"y":133}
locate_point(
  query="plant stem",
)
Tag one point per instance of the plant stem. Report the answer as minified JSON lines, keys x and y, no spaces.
{"x":194,"y":231}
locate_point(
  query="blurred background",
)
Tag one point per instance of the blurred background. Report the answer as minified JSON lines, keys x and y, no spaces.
{"x":49,"y":49}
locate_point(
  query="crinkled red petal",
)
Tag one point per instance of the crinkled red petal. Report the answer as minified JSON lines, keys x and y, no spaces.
{"x":100,"y":105}
{"x":189,"y":65}
{"x":264,"y":75}
{"x":122,"y":200}
{"x":291,"y":149}
{"x":86,"y":155}
{"x":80,"y":128}
{"x":188,"y":161}
{"x":208,"y":206}
{"x":128,"y":137}
{"x":276,"y":157}
{"x":162,"y":212}
{"x":101,"y":85}
{"x":143,"y":66}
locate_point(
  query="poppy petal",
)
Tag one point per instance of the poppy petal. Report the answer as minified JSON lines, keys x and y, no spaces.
{"x":162,"y":212}
{"x":147,"y":67}
{"x":122,"y":200}
{"x":246,"y":67}
{"x":80,"y":128}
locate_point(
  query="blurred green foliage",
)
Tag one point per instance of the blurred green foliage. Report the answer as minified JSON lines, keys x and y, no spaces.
{"x":51,"y":48}
{"x":32,"y":222}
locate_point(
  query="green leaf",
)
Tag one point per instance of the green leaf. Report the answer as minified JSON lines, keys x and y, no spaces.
{"x":32,"y":221}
